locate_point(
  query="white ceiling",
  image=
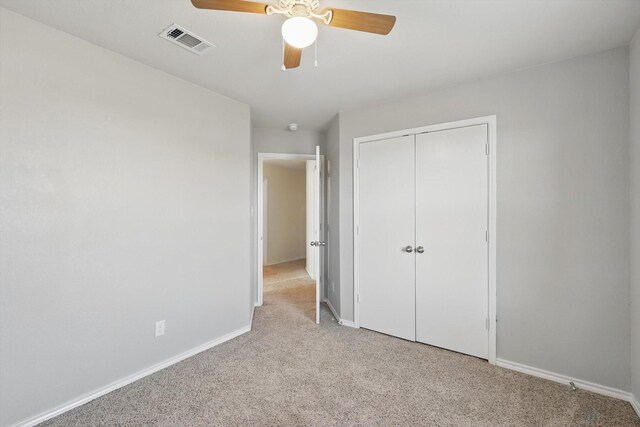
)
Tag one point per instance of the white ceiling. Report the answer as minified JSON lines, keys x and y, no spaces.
{"x":434,"y":43}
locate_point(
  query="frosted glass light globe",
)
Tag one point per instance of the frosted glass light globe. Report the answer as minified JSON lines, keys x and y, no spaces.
{"x":299,"y":31}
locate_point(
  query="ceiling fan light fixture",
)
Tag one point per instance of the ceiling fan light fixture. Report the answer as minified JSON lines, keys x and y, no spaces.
{"x":299,"y":31}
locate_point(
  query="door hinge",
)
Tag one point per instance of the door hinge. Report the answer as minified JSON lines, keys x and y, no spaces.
{"x":358,"y":164}
{"x":487,"y":324}
{"x":357,"y":231}
{"x":358,"y":298}
{"x":486,"y":235}
{"x":486,"y":149}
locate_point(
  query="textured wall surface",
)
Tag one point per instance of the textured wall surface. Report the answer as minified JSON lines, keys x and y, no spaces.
{"x":332,"y":265}
{"x":634,"y":73}
{"x":124,"y":201}
{"x":286,"y":218}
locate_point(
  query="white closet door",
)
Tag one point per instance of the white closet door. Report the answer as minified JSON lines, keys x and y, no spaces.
{"x":452,"y":218}
{"x":387,"y":228}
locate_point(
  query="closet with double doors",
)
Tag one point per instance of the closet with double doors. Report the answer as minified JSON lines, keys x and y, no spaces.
{"x":422,"y":237}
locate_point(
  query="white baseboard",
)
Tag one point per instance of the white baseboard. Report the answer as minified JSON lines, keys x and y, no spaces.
{"x":333,"y":310}
{"x":563,"y":379}
{"x":280,"y":261}
{"x":129,"y":379}
{"x":348,"y":323}
{"x":635,"y":404}
{"x":335,"y":314}
{"x":253,"y":310}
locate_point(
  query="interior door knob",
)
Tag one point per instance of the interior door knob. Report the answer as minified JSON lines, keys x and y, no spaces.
{"x":314,"y":243}
{"x":420,"y":249}
{"x":408,"y":249}
{"x":322,"y":243}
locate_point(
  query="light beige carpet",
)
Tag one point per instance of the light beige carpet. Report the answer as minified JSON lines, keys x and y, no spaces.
{"x":286,"y":271}
{"x":290,"y":372}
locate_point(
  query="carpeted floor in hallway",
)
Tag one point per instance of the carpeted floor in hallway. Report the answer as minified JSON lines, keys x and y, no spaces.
{"x":288,"y":371}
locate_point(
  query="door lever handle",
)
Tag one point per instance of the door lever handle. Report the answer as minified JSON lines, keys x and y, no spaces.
{"x":408,"y":249}
{"x":420,"y":249}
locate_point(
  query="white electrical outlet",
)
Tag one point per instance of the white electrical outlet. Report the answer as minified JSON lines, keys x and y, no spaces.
{"x":159,"y":328}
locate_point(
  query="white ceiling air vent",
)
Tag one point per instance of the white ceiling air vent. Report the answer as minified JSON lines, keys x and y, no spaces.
{"x":178,"y":35}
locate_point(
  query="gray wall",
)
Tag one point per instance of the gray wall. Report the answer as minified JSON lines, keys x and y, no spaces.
{"x":286,"y":204}
{"x":332,"y":264}
{"x":283,"y":141}
{"x":124,"y":201}
{"x":563,"y":207}
{"x":253,"y":297}
{"x":275,"y":141}
{"x":634,"y":74}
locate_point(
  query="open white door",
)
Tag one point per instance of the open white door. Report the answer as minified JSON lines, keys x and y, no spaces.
{"x":317,"y":217}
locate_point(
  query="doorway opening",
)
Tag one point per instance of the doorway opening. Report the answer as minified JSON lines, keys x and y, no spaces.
{"x":289,"y":262}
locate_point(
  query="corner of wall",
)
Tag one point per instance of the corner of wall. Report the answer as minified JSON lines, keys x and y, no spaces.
{"x":332,"y":265}
{"x":634,"y":187}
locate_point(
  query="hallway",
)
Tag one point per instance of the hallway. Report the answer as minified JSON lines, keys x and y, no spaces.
{"x":288,"y":287}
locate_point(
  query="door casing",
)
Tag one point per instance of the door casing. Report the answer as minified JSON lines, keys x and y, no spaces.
{"x":260,"y":220}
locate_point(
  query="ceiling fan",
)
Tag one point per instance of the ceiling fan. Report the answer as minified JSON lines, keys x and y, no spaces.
{"x":300,"y":30}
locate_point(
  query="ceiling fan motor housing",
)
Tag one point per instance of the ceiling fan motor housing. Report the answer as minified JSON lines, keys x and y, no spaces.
{"x":300,"y":8}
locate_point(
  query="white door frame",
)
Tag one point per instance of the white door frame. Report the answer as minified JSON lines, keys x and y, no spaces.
{"x":491,"y":122}
{"x":259,"y":230}
{"x":265,"y":218}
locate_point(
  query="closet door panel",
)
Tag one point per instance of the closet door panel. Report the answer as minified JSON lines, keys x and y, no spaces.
{"x":452,"y":218}
{"x":387,"y":227}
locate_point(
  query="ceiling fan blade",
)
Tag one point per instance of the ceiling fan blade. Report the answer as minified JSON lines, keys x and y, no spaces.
{"x":292,"y":56}
{"x":362,"y":21}
{"x":231,"y":5}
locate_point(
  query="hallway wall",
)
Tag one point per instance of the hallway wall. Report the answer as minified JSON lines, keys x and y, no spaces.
{"x":286,"y":213}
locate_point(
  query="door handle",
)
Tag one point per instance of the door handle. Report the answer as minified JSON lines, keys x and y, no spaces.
{"x":420,"y":249}
{"x":408,"y":249}
{"x":321,"y":243}
{"x":314,"y":243}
